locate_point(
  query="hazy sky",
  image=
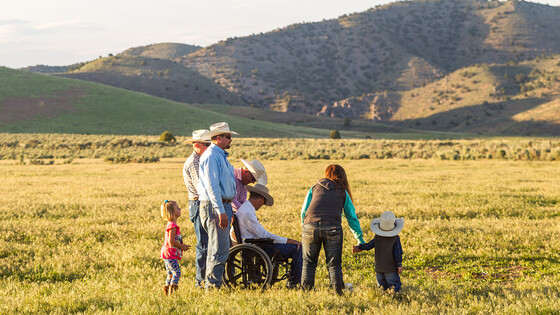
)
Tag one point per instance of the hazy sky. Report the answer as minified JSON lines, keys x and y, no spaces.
{"x":62,"y":32}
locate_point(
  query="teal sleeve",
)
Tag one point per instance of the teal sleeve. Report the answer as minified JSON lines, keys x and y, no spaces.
{"x":353,"y":222}
{"x":306,"y":204}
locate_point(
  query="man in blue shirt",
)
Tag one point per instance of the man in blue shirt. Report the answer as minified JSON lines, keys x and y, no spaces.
{"x":216,"y":189}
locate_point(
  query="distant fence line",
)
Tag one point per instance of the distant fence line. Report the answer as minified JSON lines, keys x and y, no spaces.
{"x":145,"y":149}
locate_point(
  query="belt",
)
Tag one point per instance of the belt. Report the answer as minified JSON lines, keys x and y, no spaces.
{"x":224,"y":200}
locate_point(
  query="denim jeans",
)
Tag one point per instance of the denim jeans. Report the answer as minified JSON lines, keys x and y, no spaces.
{"x":289,"y":251}
{"x":218,"y":242}
{"x":201,"y":240}
{"x":330,"y":236}
{"x":388,"y":279}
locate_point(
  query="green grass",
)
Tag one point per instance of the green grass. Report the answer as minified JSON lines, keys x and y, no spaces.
{"x":479,"y":237}
{"x":106,"y":110}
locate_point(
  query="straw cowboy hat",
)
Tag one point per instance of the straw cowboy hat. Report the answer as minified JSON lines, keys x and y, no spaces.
{"x":263,"y":191}
{"x":257,"y":170}
{"x":220,"y":129}
{"x":200,"y":135}
{"x":387,"y":224}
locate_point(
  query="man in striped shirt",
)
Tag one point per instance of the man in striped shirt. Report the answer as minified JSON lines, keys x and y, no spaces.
{"x":190,"y":174}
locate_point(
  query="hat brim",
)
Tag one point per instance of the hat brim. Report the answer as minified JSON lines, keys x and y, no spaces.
{"x":198,"y":140}
{"x":212,"y":133}
{"x":268,"y":200}
{"x":374,"y":226}
{"x":263,"y":179}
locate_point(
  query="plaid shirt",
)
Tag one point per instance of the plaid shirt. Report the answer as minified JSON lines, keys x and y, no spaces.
{"x":241,"y":195}
{"x":190,"y":174}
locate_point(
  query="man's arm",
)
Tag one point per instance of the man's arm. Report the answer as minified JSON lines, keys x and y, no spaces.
{"x":211,"y":169}
{"x":256,"y":228}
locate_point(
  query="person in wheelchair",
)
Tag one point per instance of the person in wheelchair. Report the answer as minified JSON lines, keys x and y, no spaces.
{"x":250,"y":227}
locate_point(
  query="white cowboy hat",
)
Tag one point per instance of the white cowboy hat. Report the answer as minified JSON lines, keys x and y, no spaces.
{"x":257,"y":170}
{"x":263,"y":191}
{"x":387,"y":224}
{"x":220,"y":129}
{"x":200,"y":135}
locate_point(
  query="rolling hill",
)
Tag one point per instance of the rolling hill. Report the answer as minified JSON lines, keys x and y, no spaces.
{"x":408,"y":63}
{"x":396,"y":47}
{"x":158,"y":77}
{"x":37,"y":103}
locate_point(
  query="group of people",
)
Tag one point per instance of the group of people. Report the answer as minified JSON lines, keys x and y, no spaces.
{"x":216,"y":191}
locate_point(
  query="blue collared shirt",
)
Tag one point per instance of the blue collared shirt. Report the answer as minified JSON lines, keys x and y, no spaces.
{"x":216,"y":180}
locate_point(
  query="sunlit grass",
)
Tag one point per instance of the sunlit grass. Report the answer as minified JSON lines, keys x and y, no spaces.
{"x":479,"y":237}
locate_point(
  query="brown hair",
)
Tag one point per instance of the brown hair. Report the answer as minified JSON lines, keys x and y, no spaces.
{"x":168,"y":210}
{"x":337,"y":174}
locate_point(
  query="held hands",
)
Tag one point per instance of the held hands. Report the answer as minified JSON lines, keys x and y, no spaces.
{"x":185,"y":247}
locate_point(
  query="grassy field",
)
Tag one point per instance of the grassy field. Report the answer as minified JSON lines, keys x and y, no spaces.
{"x":480,"y":237}
{"x":45,"y":148}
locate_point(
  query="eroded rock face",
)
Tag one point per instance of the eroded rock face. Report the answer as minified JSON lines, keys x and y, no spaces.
{"x":374,"y":106}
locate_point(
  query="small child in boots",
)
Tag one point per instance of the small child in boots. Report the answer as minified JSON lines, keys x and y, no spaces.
{"x":173,"y":246}
{"x":388,"y":250}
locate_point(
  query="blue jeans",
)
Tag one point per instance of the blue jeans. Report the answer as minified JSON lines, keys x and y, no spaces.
{"x":201,"y":240}
{"x":218,"y":242}
{"x":330,"y":236}
{"x":388,"y":279}
{"x":289,"y":251}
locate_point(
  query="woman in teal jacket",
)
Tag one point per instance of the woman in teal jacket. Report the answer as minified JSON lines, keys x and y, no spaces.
{"x":321,"y":217}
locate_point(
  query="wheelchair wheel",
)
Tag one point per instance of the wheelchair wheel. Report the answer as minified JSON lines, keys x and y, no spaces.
{"x":247,"y":267}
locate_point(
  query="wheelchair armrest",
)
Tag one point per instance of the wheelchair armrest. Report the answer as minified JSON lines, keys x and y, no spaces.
{"x":259,"y":240}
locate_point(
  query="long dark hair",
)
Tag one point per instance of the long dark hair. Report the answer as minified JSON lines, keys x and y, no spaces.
{"x":337,"y":174}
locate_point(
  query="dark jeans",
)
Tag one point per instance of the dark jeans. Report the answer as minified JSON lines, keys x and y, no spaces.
{"x":289,"y":251}
{"x":201,"y":241}
{"x":388,"y":279}
{"x":330,"y":236}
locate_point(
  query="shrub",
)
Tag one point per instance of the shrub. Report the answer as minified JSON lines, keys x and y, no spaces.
{"x":167,"y":136}
{"x":335,"y":134}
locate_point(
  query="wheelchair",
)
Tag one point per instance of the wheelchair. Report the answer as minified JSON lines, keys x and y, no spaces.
{"x":248,"y":265}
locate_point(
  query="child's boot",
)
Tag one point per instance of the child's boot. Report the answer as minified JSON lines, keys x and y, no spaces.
{"x":166,"y":289}
{"x":173,"y":288}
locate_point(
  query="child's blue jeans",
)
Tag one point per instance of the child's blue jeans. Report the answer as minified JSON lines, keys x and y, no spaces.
{"x":388,"y":279}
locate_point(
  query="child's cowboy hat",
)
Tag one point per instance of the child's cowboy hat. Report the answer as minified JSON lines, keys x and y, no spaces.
{"x":257,"y":170}
{"x":201,"y":136}
{"x":220,"y":128}
{"x":387,"y":224}
{"x":263,"y":191}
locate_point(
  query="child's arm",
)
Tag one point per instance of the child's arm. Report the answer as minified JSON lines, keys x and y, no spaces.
{"x":397,"y":254}
{"x":176,"y":243}
{"x":364,"y":246}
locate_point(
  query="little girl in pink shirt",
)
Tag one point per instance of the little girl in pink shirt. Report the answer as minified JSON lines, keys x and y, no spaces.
{"x":173,"y":246}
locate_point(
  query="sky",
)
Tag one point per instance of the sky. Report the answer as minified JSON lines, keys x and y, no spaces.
{"x":63,"y":32}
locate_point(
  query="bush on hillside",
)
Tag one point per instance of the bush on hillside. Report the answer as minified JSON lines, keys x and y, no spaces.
{"x":335,"y":134}
{"x":167,"y":136}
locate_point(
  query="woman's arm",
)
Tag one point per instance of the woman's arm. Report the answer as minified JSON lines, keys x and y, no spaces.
{"x":306,"y":204}
{"x":353,"y":222}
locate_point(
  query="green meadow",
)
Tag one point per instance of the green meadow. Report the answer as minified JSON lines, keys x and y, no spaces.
{"x":82,"y":235}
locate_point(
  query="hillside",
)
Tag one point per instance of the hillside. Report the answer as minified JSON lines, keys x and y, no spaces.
{"x":36,"y":103}
{"x":396,"y":47}
{"x":158,"y":77}
{"x":168,"y":51}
